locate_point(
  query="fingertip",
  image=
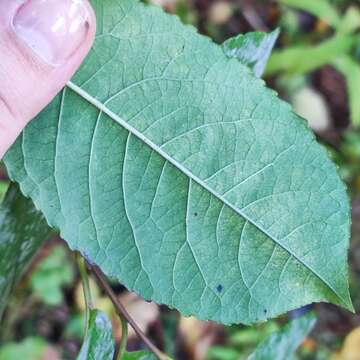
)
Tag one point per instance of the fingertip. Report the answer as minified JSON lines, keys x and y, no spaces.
{"x":55,"y":30}
{"x":42,"y":44}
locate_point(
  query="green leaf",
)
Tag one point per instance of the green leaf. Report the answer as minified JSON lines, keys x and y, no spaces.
{"x":351,"y":71}
{"x":98,"y":342}
{"x":32,"y":348}
{"x":22,"y":232}
{"x":301,"y":59}
{"x":139,"y":355}
{"x":54,"y":272}
{"x":282,"y":344}
{"x":175,"y":170}
{"x":224,"y":353}
{"x":247,"y":336}
{"x":320,"y":8}
{"x":4,"y":186}
{"x":350,"y":21}
{"x":252,"y":49}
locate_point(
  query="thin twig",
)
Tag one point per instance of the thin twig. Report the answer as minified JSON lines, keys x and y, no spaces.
{"x":122,"y":312}
{"x":86,"y":288}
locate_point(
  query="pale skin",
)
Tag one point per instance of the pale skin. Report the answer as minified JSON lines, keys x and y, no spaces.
{"x":42,"y":44}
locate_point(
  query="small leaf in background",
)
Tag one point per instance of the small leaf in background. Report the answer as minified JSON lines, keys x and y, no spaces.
{"x":224,"y":353}
{"x":301,"y":59}
{"x":33,"y":348}
{"x":350,"y":21}
{"x":320,"y":8}
{"x":75,"y":326}
{"x":252,"y":49}
{"x":51,"y":274}
{"x":241,"y":341}
{"x":250,"y":336}
{"x":98,"y":343}
{"x":139,"y":355}
{"x":4,"y":185}
{"x":283,"y":344}
{"x":22,"y":232}
{"x":351,"y":145}
{"x":351,"y":71}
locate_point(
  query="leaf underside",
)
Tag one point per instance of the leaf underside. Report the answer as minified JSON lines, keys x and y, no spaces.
{"x":283,"y":344}
{"x":98,"y":342}
{"x":252,"y":49}
{"x":175,"y":170}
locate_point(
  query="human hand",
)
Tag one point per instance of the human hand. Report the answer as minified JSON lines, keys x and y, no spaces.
{"x":42,"y":43}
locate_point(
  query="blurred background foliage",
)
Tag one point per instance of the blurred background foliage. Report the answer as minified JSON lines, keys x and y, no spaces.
{"x":315,"y":66}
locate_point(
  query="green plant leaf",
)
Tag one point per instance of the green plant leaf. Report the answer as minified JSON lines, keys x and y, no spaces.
{"x":350,"y":21}
{"x":320,"y":8}
{"x":252,"y":49}
{"x":194,"y":190}
{"x":32,"y":348}
{"x":301,"y":59}
{"x":351,"y":71}
{"x":282,"y":344}
{"x":54,"y":272}
{"x":22,"y":232}
{"x":139,"y":355}
{"x":98,"y":342}
{"x":4,"y":186}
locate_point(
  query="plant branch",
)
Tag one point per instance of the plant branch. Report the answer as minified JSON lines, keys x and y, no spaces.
{"x":86,"y":288}
{"x":122,"y":312}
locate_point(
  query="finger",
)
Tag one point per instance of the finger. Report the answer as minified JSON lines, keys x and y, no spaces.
{"x":42,"y":43}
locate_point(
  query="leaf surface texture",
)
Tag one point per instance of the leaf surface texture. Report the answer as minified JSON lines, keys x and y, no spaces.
{"x":181,"y":175}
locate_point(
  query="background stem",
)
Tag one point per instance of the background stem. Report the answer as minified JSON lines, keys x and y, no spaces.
{"x":86,"y":288}
{"x":124,"y":337}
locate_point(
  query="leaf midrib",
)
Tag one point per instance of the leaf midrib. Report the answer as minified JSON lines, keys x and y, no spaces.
{"x":103,"y":108}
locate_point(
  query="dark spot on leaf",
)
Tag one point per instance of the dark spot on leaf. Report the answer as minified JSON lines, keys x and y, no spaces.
{"x":265,"y":311}
{"x":196,"y":214}
{"x":219,"y":288}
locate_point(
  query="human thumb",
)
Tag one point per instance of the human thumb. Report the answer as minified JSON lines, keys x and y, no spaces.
{"x":42,"y":43}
